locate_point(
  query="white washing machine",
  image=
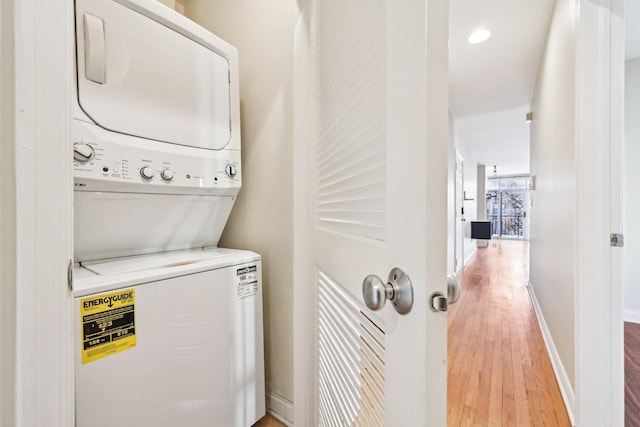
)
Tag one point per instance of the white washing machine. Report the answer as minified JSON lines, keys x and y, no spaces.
{"x":168,"y":327}
{"x":171,"y":339}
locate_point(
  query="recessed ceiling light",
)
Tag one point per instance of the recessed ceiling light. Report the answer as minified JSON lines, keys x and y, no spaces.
{"x":480,"y":35}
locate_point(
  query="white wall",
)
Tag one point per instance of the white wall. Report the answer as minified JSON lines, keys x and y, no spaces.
{"x":553,"y":163}
{"x":470,"y":184}
{"x":169,"y":3}
{"x":470,"y":187}
{"x":262,"y":219}
{"x":631,"y":198}
{"x":7,"y":220}
{"x":177,"y":5}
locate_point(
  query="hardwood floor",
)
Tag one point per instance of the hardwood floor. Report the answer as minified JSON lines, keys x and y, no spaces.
{"x":499,"y":373}
{"x":632,"y":375}
{"x":268,"y":421}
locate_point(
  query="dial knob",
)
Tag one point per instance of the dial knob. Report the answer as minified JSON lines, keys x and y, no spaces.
{"x":146,"y":172}
{"x":83,"y":153}
{"x":231,"y":170}
{"x":167,"y":174}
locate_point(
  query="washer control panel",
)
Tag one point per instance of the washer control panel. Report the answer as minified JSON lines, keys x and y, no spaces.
{"x":106,"y":161}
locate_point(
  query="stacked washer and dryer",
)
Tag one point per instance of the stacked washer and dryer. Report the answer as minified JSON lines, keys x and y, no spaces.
{"x":167,"y":326}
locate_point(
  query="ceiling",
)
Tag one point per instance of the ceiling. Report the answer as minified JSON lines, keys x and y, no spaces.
{"x":500,"y":138}
{"x":491,"y":84}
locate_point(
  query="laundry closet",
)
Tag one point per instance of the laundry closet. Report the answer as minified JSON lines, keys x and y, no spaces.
{"x":167,"y":325}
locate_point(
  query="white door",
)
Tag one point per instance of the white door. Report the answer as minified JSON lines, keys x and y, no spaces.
{"x":460,"y":220}
{"x":372,"y":133}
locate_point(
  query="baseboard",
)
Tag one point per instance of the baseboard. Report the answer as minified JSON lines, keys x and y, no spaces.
{"x":558,"y":368}
{"x":470,"y":256}
{"x":466,"y":262}
{"x":279,"y":408}
{"x":632,"y":316}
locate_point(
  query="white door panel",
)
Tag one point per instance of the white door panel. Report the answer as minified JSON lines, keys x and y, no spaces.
{"x":376,"y":188}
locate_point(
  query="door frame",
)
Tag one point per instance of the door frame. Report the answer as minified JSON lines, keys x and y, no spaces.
{"x":599,"y":387}
{"x":458,"y":230}
{"x":304,"y":319}
{"x":40,"y":387}
{"x":43,"y":381}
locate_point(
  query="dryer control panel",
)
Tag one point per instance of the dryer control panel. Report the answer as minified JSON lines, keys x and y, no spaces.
{"x":105,"y":161}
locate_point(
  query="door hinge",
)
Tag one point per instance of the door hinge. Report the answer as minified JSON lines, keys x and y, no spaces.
{"x":70,"y":275}
{"x":616,"y":240}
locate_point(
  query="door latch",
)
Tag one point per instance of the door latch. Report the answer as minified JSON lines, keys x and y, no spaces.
{"x":616,"y":240}
{"x":439,"y":302}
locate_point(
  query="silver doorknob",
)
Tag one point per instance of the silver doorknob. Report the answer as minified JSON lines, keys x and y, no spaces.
{"x":441,"y":303}
{"x":398,"y":289}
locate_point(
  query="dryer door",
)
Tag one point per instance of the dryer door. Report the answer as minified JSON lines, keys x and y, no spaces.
{"x":147,"y":71}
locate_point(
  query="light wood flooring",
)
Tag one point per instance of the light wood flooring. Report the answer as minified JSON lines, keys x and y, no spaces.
{"x":631,"y":351}
{"x":632,"y":374}
{"x":499,"y":372}
{"x":268,"y":421}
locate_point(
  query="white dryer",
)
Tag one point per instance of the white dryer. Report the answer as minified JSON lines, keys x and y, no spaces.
{"x":168,"y":327}
{"x":170,"y":339}
{"x":156,"y":130}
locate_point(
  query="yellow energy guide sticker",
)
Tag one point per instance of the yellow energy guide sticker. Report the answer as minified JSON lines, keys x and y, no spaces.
{"x":108,"y":324}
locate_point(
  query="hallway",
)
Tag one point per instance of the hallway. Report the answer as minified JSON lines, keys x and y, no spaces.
{"x":499,"y":373}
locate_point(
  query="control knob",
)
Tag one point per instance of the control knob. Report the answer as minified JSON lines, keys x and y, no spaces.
{"x":146,"y":172}
{"x":231,"y":170}
{"x":167,"y":174}
{"x":83,"y":153}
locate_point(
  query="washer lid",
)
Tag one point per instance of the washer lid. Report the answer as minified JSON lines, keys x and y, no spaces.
{"x":148,"y":73}
{"x":169,"y":260}
{"x":102,"y":276}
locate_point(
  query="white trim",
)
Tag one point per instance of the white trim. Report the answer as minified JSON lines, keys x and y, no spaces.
{"x":304,"y":380}
{"x":458,"y":203}
{"x":558,"y":367}
{"x":279,"y":408}
{"x":632,"y":316}
{"x":44,"y":208}
{"x":467,"y":260}
{"x":599,"y":379}
{"x":615,"y":197}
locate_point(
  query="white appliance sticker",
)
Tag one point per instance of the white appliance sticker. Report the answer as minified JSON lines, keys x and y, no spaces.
{"x":247,"y":281}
